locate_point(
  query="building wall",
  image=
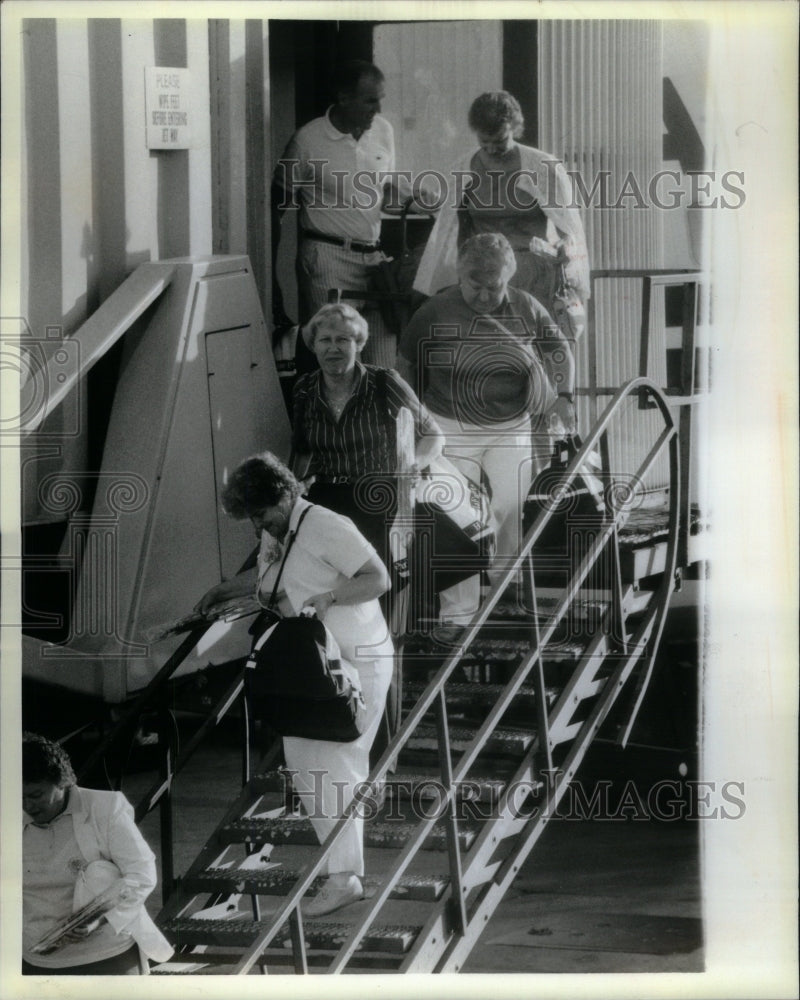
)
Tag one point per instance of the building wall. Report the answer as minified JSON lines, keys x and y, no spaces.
{"x":98,"y":202}
{"x":600,"y":112}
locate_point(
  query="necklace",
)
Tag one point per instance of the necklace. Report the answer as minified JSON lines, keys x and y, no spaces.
{"x":337,"y":400}
{"x":337,"y":406}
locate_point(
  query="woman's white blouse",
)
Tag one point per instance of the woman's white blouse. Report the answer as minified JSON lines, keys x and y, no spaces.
{"x":327,"y":550}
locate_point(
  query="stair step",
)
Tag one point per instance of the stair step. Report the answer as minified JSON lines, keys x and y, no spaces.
{"x":467,"y":693}
{"x":480,"y":788}
{"x":393,"y":939}
{"x":299,"y":830}
{"x":426,"y":786}
{"x":281,"y":881}
{"x":211,"y":963}
{"x":505,"y":650}
{"x":503,"y":741}
{"x":511,"y":610}
{"x":487,"y":650}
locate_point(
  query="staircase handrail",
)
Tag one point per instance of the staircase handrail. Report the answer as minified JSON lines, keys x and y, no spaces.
{"x":290,"y":908}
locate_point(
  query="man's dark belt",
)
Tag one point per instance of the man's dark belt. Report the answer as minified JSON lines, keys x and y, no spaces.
{"x":341,"y":241}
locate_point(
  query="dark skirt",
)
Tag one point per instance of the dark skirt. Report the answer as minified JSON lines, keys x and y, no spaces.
{"x":372,"y":509}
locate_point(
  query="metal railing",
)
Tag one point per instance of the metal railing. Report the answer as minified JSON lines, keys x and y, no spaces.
{"x":683,"y":396}
{"x":170,"y":765}
{"x":641,"y":647}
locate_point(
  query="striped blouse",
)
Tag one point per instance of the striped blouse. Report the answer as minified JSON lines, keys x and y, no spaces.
{"x":363,"y":440}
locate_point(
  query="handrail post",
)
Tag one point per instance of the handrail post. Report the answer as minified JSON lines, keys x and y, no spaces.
{"x":451,"y":819}
{"x":298,"y":942}
{"x":247,"y":723}
{"x":591,"y":346}
{"x":644,"y":336}
{"x":166,"y":815}
{"x":540,"y":693}
{"x":685,"y":420}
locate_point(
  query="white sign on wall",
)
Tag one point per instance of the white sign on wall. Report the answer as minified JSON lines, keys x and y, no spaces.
{"x":167,"y":102}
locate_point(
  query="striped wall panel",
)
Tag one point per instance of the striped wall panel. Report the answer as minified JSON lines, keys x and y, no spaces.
{"x":99,"y":203}
{"x":600,"y":86}
{"x":59,"y":273}
{"x":240,"y":139}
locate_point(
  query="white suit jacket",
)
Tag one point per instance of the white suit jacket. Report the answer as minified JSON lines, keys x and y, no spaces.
{"x":105,"y":830}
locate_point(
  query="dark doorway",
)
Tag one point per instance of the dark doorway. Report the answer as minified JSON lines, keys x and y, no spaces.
{"x":308,"y":51}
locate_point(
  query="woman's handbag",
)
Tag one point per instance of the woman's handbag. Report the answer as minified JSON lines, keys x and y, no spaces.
{"x":456,"y":513}
{"x":296,"y":680}
{"x":568,"y":309}
{"x":577,"y":513}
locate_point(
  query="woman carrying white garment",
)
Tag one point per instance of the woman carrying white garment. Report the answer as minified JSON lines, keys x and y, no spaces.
{"x":523,"y":193}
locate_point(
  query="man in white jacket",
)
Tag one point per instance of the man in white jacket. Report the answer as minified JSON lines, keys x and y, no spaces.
{"x":76,"y":843}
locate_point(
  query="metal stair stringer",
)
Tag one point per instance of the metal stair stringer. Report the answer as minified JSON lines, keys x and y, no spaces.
{"x":555,"y":744}
{"x":509,"y":820}
{"x":492,"y":879}
{"x":493,"y":891}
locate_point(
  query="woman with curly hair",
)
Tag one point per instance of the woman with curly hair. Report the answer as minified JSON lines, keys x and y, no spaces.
{"x":77,"y":844}
{"x":345,"y":441}
{"x":330,"y":567}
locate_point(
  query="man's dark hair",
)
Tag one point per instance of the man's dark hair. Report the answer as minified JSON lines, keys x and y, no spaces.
{"x":43,"y":760}
{"x":346,"y":75}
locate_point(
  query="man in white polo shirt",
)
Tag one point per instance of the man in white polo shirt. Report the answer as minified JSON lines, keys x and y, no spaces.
{"x":336,"y":170}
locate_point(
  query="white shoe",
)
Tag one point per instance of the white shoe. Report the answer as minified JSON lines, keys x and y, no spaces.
{"x":338,"y":890}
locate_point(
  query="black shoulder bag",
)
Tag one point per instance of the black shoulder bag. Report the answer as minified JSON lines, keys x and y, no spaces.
{"x":577,"y":514}
{"x":295,"y":678}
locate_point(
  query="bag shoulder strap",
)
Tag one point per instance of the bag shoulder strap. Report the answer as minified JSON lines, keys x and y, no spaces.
{"x":289,"y":544}
{"x":389,"y":419}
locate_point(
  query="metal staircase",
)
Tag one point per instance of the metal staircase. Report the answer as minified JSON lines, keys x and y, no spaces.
{"x":495,"y":729}
{"x":496,"y":726}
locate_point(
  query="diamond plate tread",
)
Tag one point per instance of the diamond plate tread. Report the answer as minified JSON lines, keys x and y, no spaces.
{"x":471,"y":692}
{"x":514,"y":649}
{"x":215,"y":964}
{"x":480,"y":788}
{"x":280,"y":882}
{"x":426,"y":786}
{"x":300,"y":831}
{"x":485,"y":650}
{"x":393,"y":939}
{"x":506,"y":741}
{"x":648,"y":524}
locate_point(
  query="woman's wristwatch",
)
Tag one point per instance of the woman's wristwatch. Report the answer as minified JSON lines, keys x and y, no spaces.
{"x":332,"y":596}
